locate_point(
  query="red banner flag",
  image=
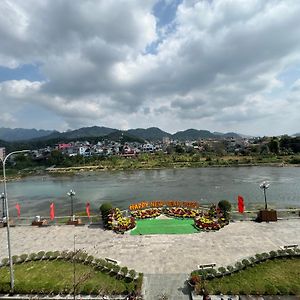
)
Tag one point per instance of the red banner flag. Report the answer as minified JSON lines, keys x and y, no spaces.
{"x":52,"y":212}
{"x":18,"y":207}
{"x":87,"y":208}
{"x":241,"y":205}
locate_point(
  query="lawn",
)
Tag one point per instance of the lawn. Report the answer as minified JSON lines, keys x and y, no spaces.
{"x":57,"y":277}
{"x":166,"y":226}
{"x":279,"y":276}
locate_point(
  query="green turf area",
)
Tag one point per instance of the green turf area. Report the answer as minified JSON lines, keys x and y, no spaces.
{"x":166,"y":226}
{"x":279,"y":276}
{"x":57,"y":277}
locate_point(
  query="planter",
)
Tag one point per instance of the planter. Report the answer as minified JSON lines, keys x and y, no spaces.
{"x":39,"y":223}
{"x":75,"y":222}
{"x":267,"y":216}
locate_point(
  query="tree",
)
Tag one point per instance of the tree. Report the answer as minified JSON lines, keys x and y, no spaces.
{"x":105,"y":210}
{"x":274,"y":146}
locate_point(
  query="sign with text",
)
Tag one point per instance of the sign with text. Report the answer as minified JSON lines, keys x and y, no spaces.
{"x":168,"y":203}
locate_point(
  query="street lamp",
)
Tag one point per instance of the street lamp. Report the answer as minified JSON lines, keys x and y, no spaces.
{"x":7,"y":218}
{"x":3,"y":205}
{"x":265,"y":185}
{"x":71,"y":194}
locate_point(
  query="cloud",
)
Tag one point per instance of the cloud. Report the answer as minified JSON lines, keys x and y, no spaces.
{"x":212,"y":64}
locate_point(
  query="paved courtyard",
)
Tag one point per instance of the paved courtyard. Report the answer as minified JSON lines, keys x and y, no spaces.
{"x":159,"y":254}
{"x":165,"y":260}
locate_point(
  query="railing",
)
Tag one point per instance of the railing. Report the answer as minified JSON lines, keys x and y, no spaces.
{"x":61,"y":220}
{"x":248,"y":215}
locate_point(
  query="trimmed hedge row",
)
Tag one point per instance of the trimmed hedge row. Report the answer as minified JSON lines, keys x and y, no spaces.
{"x":245,"y":263}
{"x":79,"y":257}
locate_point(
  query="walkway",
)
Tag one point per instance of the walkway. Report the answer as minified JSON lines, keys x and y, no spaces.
{"x":166,"y":260}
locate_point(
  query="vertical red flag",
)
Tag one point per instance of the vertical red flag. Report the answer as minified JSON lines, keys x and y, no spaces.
{"x":18,"y":207}
{"x":52,"y":212}
{"x":87,"y":208}
{"x":241,"y":205}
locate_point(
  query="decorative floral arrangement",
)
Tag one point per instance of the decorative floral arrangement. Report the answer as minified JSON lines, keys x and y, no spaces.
{"x":212,"y":220}
{"x":118,"y":223}
{"x":180,"y":212}
{"x":146,"y":213}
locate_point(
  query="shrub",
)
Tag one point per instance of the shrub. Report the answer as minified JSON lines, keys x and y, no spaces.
{"x":212,"y":272}
{"x":239,"y":266}
{"x":258,"y":257}
{"x":49,"y":255}
{"x":40,"y":254}
{"x":225,"y":207}
{"x":124,"y":271}
{"x":15,"y":258}
{"x":203,"y":273}
{"x":252,"y":260}
{"x":105,"y":209}
{"x":230,"y":269}
{"x":23,"y":257}
{"x":246,"y":262}
{"x":116,"y":269}
{"x":132,"y":274}
{"x":222,"y":270}
{"x":89,"y":259}
{"x":32,"y":256}
{"x":290,"y":251}
{"x":265,"y":255}
{"x":273,"y":254}
{"x":100,"y":262}
{"x":5,"y":261}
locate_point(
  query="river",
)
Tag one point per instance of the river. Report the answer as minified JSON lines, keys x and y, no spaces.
{"x":121,"y":188}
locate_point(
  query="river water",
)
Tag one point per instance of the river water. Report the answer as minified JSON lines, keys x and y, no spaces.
{"x":206,"y":185}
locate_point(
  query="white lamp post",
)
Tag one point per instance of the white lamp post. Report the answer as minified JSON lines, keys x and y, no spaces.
{"x":264,"y":186}
{"x":71,"y":193}
{"x":3,"y":205}
{"x":7,"y":218}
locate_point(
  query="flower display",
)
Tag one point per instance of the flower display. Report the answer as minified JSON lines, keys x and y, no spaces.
{"x":118,"y":223}
{"x":146,"y":213}
{"x":211,"y":221}
{"x":180,"y":212}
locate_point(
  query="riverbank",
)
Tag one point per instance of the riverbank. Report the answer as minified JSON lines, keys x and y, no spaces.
{"x":155,"y":162}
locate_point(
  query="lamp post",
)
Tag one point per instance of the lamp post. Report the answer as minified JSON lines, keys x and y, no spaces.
{"x":71,"y":193}
{"x":264,"y":186}
{"x":12,"y":283}
{"x":3,"y":205}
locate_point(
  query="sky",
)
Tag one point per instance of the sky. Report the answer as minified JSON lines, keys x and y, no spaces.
{"x":219,"y":65}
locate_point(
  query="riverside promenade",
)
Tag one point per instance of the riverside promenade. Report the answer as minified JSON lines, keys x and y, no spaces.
{"x":158,"y":254}
{"x":165,"y":260}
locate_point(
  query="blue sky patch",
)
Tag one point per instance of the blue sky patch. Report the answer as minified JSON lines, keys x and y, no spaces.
{"x":165,"y":11}
{"x":29,"y":72}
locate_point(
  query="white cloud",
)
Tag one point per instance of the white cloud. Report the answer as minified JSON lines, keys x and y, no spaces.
{"x":217,"y":69}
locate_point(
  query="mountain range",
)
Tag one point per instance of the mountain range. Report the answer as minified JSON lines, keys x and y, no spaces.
{"x":149,"y":134}
{"x":21,"y":134}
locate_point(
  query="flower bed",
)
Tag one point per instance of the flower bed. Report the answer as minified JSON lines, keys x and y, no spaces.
{"x":212,"y":220}
{"x":180,"y":212}
{"x":146,"y":213}
{"x":118,"y":223}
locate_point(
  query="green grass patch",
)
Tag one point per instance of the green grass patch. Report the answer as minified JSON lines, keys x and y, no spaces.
{"x":278,"y":276}
{"x":57,"y":277}
{"x":167,"y":226}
